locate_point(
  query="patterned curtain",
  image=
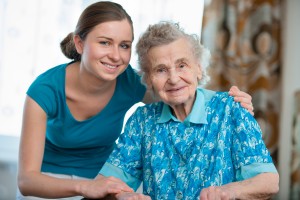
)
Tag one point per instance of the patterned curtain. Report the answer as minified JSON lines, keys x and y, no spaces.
{"x":244,"y":39}
{"x":295,"y":167}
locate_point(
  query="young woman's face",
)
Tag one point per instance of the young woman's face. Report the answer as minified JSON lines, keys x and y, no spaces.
{"x":174,"y":73}
{"x":106,"y":51}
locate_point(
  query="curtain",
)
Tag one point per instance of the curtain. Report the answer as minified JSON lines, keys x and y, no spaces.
{"x":244,"y":39}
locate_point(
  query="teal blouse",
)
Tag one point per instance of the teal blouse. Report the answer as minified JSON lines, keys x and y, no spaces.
{"x":81,"y":147}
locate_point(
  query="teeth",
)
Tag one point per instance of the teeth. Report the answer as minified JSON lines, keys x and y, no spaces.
{"x":110,"y":66}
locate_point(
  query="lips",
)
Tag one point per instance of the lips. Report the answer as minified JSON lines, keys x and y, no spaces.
{"x":110,"y":66}
{"x":175,"y":89}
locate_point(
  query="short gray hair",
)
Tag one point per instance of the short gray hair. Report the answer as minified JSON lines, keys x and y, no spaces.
{"x":164,"y":33}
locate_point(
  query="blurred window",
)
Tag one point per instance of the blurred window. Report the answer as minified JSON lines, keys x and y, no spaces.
{"x":32,"y":30}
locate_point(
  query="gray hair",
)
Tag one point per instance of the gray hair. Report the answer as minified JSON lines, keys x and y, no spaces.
{"x":164,"y":33}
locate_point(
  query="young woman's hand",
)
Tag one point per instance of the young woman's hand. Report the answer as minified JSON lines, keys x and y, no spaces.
{"x":244,"y":98}
{"x":102,"y":186}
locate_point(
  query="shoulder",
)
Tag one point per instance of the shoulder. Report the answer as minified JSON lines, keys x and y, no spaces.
{"x":53,"y":74}
{"x":48,"y":87}
{"x":221,"y":99}
{"x":130,"y":83}
{"x":129,"y":74}
{"x":151,"y":107}
{"x":52,"y":80}
{"x":216,"y":96}
{"x":149,"y":111}
{"x":222,"y":104}
{"x":234,"y":108}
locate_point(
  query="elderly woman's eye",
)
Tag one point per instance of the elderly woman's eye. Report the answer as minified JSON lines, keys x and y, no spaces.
{"x":160,"y":70}
{"x":182,"y":66}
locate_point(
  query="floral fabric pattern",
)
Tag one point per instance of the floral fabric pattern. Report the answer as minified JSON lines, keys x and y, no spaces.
{"x":177,"y":160}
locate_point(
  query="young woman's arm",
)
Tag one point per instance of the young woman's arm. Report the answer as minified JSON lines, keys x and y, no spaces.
{"x":32,"y":182}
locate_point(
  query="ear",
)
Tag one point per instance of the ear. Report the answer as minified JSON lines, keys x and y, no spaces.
{"x":78,"y":44}
{"x":199,"y":72}
{"x":148,"y":81}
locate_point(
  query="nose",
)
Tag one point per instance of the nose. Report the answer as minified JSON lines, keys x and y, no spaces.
{"x":114,"y":53}
{"x":174,"y":76}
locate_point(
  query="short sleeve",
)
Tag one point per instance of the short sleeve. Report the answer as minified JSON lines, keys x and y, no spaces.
{"x":248,"y":145}
{"x":111,"y":170}
{"x":48,"y":89}
{"x":251,"y":170}
{"x":44,"y":94}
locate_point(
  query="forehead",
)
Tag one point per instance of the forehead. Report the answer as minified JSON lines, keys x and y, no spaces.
{"x":114,"y":29}
{"x":171,"y":53}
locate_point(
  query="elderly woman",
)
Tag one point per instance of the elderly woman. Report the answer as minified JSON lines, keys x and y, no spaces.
{"x":194,"y":143}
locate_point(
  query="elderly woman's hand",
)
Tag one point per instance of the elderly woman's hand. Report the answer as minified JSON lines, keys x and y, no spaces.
{"x":216,"y":192}
{"x":244,"y":98}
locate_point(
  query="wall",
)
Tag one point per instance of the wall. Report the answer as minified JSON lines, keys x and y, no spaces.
{"x":290,"y":83}
{"x":8,"y":166}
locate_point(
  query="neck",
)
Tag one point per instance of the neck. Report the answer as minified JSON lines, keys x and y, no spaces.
{"x":87,"y":83}
{"x":181,"y":111}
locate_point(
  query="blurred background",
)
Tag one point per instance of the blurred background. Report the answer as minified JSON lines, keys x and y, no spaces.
{"x":254,"y":44}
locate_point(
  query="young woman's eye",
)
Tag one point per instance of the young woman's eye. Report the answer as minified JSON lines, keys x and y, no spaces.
{"x":106,"y":43}
{"x":125,"y":46}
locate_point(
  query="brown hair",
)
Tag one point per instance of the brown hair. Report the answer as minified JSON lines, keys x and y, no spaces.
{"x":93,"y":15}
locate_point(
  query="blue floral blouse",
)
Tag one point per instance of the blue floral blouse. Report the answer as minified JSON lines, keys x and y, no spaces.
{"x":218,"y":143}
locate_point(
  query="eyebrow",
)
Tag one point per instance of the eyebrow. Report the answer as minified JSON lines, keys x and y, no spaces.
{"x":107,"y":38}
{"x":159,"y":66}
{"x":181,"y":60}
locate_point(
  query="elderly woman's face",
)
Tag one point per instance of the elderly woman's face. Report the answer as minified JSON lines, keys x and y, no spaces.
{"x":174,"y":72}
